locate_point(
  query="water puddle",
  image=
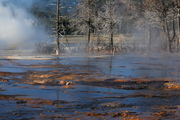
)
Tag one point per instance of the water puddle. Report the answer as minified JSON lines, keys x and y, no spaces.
{"x":108,"y":87}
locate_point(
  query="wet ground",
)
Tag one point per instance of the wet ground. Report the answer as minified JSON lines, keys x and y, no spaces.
{"x":124,"y":87}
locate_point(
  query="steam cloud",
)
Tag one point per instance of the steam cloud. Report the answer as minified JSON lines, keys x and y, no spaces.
{"x":17,"y":26}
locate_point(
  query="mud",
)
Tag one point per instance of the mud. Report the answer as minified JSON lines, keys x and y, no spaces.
{"x":125,"y":87}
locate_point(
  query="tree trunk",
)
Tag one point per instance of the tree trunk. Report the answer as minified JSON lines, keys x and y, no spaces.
{"x":89,"y":32}
{"x":111,"y":37}
{"x":89,"y":23}
{"x":112,"y":41}
{"x":149,"y":38}
{"x":171,"y":39}
{"x":178,"y":40}
{"x":57,"y":26}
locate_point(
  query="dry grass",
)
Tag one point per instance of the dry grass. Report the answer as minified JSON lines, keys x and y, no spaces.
{"x":83,"y":38}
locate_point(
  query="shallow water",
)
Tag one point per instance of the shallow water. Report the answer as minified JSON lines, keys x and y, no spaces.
{"x":109,"y":87}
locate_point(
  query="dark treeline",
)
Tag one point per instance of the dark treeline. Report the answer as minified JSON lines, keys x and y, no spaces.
{"x":115,"y":25}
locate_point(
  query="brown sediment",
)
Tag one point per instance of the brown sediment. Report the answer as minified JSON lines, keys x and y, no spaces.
{"x":92,"y":79}
{"x":38,"y":81}
{"x":139,"y":94}
{"x":121,"y":80}
{"x":161,"y":114}
{"x":5,"y":73}
{"x":140,"y":80}
{"x":40,"y":76}
{"x":67,"y":86}
{"x":21,"y":100}
{"x":124,"y":115}
{"x":172,"y":86}
{"x":42,"y":66}
{"x":56,"y":77}
{"x":43,"y":116}
{"x":62,"y":82}
{"x":52,"y":74}
{"x":8,"y":74}
{"x":51,"y":77}
{"x":130,"y":84}
{"x":7,"y":97}
{"x":34,"y":101}
{"x":165,"y":113}
{"x":150,"y":79}
{"x":68,"y":77}
{"x":80,"y":76}
{"x":3,"y":80}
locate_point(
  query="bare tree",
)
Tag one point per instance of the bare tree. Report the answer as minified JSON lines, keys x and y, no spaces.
{"x":177,"y":4}
{"x":110,"y":17}
{"x":164,"y":13}
{"x":58,"y":26}
{"x":85,"y":17}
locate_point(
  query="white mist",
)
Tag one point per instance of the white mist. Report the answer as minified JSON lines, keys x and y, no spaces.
{"x":17,"y":27}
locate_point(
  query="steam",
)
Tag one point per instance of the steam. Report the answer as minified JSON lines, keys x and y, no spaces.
{"x":18,"y":27}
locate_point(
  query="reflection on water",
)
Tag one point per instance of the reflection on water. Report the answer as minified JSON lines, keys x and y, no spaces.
{"x":109,"y":87}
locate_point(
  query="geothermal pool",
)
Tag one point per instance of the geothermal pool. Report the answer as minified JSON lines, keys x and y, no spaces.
{"x":123,"y":87}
